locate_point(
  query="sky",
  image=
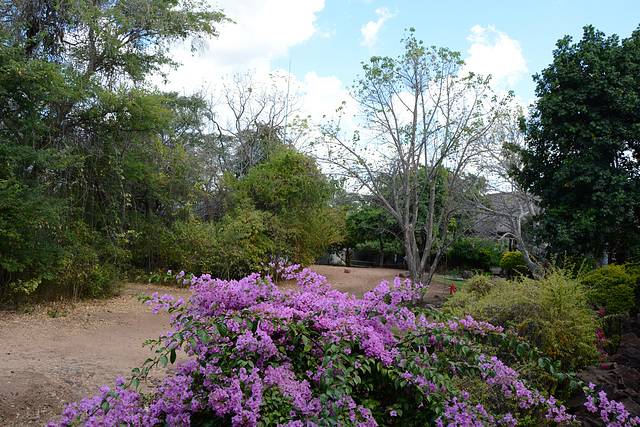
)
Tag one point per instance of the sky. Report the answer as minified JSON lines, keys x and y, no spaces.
{"x":320,"y":45}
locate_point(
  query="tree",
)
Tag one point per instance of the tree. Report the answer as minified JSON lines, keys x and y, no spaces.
{"x":87,"y":146}
{"x":370,"y":226}
{"x":583,"y":146}
{"x":253,"y":115}
{"x":506,"y":204}
{"x":293,"y":190}
{"x":421,"y":118}
{"x":248,"y":119}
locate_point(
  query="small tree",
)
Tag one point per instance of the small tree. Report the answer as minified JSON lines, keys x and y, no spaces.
{"x":293,"y":190}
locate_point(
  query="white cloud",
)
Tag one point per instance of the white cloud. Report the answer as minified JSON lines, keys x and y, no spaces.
{"x":371,"y":29}
{"x":493,"y":52}
{"x":264,"y":30}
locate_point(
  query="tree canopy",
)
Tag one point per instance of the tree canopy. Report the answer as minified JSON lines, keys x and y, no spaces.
{"x":101,"y":172}
{"x":583,"y":146}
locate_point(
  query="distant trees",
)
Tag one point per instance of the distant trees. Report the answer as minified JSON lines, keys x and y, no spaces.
{"x":582,"y":152}
{"x":372,"y":231}
{"x":424,"y":123}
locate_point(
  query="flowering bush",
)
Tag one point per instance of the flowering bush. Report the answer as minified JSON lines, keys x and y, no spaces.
{"x":314,"y":356}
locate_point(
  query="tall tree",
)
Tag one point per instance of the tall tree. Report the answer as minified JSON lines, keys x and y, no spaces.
{"x":88,"y":141}
{"x":583,"y":146}
{"x":292,"y":189}
{"x":420,"y":117}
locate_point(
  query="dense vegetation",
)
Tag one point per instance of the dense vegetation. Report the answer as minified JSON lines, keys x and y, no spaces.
{"x":101,"y":174}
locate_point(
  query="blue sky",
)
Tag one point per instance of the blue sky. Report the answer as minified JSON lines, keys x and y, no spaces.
{"x":325,"y":41}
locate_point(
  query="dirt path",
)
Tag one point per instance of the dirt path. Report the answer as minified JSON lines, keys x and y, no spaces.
{"x":47,"y":362}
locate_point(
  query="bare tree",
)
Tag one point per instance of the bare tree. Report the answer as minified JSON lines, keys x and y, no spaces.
{"x":248,"y":117}
{"x":253,"y":115}
{"x":422,"y":125}
{"x":506,"y":201}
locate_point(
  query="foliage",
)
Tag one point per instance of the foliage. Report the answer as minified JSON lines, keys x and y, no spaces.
{"x":552,"y":313}
{"x":230,"y":248}
{"x":581,"y":158}
{"x":513,"y":262}
{"x":87,"y":268}
{"x":474,"y":254}
{"x":290,"y":188}
{"x":613,"y":289}
{"x":90,"y":154}
{"x":372,"y":232}
{"x":315,"y":356}
{"x":479,"y":285}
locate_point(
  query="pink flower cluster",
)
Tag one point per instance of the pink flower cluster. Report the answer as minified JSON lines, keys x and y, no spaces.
{"x":311,"y":356}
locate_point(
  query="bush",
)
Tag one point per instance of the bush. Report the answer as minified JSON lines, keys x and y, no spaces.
{"x":474,"y":254}
{"x":612,"y":289}
{"x":551,"y":313}
{"x":231,"y":248}
{"x":314,"y":356}
{"x":480,"y":285}
{"x":513,"y":262}
{"x":89,"y":266}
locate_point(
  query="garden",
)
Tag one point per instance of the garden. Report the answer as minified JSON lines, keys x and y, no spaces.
{"x":311,"y":355}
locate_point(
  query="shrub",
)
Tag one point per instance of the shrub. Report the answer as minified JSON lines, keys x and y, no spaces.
{"x":88,"y":266}
{"x":551,"y":313}
{"x":480,"y":285}
{"x":230,"y":248}
{"x":612,"y":289}
{"x":513,"y":262}
{"x":315,"y":356}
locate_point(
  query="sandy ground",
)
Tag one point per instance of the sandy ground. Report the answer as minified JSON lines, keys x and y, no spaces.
{"x":60,"y":353}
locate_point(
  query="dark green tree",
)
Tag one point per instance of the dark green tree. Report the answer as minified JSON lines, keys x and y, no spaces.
{"x":371,"y":228}
{"x":583,"y":146}
{"x":89,"y":150}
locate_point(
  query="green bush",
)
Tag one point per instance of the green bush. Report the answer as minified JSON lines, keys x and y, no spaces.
{"x":230,"y":248}
{"x":612,"y":289}
{"x":480,"y":285}
{"x":552,"y":313}
{"x":81,"y":273}
{"x":513,"y":262}
{"x":474,"y":254}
